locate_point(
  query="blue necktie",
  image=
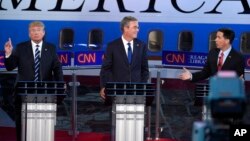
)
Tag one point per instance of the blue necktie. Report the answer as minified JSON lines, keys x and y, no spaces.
{"x":37,"y":63}
{"x":129,"y":53}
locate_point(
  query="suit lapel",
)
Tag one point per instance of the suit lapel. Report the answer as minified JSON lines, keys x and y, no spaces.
{"x":228,"y":59}
{"x":135,"y":52}
{"x":216,"y":60}
{"x":29,"y":52}
{"x":44,"y":55}
{"x":122,"y":50}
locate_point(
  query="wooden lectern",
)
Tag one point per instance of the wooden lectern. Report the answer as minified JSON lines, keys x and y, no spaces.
{"x":129,"y":100}
{"x":39,"y":104}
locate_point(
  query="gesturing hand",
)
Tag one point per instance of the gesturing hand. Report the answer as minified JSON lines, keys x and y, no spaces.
{"x":8,"y":47}
{"x":185,"y":75}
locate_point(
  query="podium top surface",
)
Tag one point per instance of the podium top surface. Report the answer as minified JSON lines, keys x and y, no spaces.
{"x":130,"y":88}
{"x":41,"y":82}
{"x":129,"y":93}
{"x":131,"y":83}
{"x":40,"y":87}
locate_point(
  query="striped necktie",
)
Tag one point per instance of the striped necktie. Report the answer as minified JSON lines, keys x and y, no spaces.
{"x":37,"y":63}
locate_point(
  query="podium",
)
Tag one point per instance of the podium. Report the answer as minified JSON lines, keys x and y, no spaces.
{"x":39,"y":104}
{"x":201,"y":93}
{"x":128,"y":109}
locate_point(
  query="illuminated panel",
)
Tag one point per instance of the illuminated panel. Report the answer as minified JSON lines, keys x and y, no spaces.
{"x":64,"y":58}
{"x":88,"y":58}
{"x":247,"y":61}
{"x":184,"y":58}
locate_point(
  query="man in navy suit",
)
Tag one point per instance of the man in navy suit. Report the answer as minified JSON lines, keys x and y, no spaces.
{"x":125,"y":59}
{"x":23,"y":58}
{"x":224,"y":57}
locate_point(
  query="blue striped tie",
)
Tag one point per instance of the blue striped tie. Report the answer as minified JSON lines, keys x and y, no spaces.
{"x":129,"y":53}
{"x":37,"y":63}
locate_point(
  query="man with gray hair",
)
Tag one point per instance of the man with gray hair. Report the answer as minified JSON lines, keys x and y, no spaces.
{"x":125,"y":59}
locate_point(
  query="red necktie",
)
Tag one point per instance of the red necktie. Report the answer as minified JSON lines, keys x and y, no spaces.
{"x":220,"y":62}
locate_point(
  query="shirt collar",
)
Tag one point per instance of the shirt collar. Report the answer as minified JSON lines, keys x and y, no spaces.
{"x":226,"y":52}
{"x":125,"y":42}
{"x":34,"y":44}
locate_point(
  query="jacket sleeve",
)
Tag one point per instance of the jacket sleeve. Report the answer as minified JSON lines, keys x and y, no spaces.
{"x":12,"y":61}
{"x":106,"y":69}
{"x":56,"y":67}
{"x":144,"y":65}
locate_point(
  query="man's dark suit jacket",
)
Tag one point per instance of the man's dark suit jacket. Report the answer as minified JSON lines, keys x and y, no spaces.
{"x":23,"y":59}
{"x":234,"y":62}
{"x":116,"y":68}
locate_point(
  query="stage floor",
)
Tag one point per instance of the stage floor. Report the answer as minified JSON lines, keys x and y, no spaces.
{"x":177,"y":113}
{"x":8,"y":134}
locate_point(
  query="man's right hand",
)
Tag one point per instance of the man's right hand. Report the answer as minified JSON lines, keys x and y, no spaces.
{"x":8,"y":48}
{"x":185,"y":75}
{"x":102,"y":93}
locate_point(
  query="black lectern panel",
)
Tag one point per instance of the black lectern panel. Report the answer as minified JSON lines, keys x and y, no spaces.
{"x":40,"y":92}
{"x":201,"y":92}
{"x":130,"y":93}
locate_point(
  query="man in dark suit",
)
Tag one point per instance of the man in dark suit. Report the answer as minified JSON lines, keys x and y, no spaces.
{"x":125,"y":59}
{"x":224,"y":57}
{"x":23,"y":58}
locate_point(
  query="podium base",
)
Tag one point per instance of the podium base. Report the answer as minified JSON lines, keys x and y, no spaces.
{"x":129,"y":122}
{"x":38,"y":121}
